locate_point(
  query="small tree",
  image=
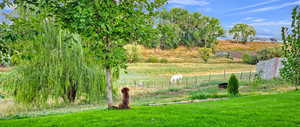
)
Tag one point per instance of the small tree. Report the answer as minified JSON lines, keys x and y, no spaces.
{"x":233,"y":85}
{"x":205,"y":53}
{"x":291,"y":50}
{"x":242,"y":32}
{"x":133,"y":52}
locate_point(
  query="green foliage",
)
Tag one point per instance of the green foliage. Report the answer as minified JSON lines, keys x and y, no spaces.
{"x":206,"y":96}
{"x":291,"y":49}
{"x":249,"y":59}
{"x":2,"y":96}
{"x":205,"y":53}
{"x":242,"y":32}
{"x":233,"y":86}
{"x":59,"y":71}
{"x":269,"y":53}
{"x":6,"y":36}
{"x":189,"y":29}
{"x":152,"y":59}
{"x":14,"y":37}
{"x":163,"y":60}
{"x":170,"y":35}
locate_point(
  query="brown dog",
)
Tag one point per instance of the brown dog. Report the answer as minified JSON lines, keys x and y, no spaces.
{"x":125,"y":100}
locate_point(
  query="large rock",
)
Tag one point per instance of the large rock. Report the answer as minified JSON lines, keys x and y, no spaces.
{"x":269,"y":69}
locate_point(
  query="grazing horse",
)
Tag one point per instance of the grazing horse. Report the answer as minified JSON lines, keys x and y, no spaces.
{"x":176,"y":78}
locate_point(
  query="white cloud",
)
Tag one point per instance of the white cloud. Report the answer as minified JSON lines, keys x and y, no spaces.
{"x":258,"y":20}
{"x":274,"y":7}
{"x":249,"y":18}
{"x":255,"y":5}
{"x":176,"y":6}
{"x":189,"y":2}
{"x":272,"y":23}
{"x":254,"y":19}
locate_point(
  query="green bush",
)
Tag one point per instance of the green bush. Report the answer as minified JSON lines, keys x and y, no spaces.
{"x":269,"y":53}
{"x":163,"y":60}
{"x":205,"y":53}
{"x":249,"y":59}
{"x":233,"y":86}
{"x":152,"y":59}
{"x":1,"y":96}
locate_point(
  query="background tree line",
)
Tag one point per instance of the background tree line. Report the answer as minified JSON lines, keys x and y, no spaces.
{"x":180,"y":27}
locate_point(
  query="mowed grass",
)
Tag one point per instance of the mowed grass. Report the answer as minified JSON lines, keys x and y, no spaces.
{"x":277,"y":110}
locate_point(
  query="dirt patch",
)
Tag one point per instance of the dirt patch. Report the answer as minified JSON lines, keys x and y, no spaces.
{"x":5,"y":69}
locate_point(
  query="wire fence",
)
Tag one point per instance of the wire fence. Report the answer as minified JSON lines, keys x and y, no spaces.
{"x":152,"y":85}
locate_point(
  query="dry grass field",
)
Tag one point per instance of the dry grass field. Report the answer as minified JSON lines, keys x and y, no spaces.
{"x":191,"y":55}
{"x":225,"y":45}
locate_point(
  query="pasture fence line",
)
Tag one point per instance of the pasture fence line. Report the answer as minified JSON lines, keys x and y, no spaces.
{"x":141,"y":90}
{"x":186,"y":82}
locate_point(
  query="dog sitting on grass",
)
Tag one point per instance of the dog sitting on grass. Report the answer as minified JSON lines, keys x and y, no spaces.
{"x":125,"y":99}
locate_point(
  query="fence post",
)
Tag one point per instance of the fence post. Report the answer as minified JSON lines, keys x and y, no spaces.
{"x":186,"y":82}
{"x":209,"y":76}
{"x":250,"y":75}
{"x":241,"y":76}
{"x":224,"y":74}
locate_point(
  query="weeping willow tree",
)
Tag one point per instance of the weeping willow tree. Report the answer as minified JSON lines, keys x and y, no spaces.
{"x":59,"y":70}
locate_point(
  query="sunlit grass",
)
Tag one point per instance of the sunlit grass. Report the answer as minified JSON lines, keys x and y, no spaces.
{"x":277,"y":110}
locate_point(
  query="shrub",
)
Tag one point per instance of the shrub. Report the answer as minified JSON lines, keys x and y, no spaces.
{"x":174,"y":89}
{"x":269,"y":53}
{"x":205,"y":53}
{"x":163,"y":60}
{"x":249,"y":59}
{"x":152,"y":59}
{"x":233,"y":85}
{"x":1,"y":96}
{"x":133,"y":52}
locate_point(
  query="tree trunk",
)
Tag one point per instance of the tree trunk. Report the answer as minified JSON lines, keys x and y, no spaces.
{"x":109,"y":93}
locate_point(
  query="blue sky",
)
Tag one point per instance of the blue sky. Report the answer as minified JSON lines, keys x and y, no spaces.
{"x":267,"y":16}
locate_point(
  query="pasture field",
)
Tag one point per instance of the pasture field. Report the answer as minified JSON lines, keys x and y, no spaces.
{"x":164,"y":71}
{"x":276,"y":110}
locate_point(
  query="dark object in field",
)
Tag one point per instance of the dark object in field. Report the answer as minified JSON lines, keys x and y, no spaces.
{"x":125,"y":100}
{"x":223,"y":85}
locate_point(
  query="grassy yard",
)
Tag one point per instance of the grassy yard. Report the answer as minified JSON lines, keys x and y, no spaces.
{"x":277,"y":110}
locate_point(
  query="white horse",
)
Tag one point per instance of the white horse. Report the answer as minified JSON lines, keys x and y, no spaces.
{"x":176,"y":78}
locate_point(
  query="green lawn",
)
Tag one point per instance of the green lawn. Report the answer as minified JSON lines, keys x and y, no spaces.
{"x":279,"y":110}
